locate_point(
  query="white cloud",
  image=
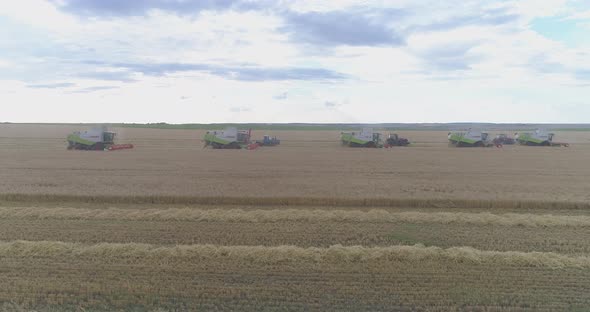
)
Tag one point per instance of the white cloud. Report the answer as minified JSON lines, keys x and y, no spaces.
{"x":5,"y":63}
{"x":478,"y":59}
{"x":539,"y":8}
{"x":37,"y":13}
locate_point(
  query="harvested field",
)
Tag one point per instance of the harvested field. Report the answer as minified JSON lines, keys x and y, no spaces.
{"x":305,"y":226}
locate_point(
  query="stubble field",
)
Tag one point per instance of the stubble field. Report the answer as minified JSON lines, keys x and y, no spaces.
{"x":308,"y":225}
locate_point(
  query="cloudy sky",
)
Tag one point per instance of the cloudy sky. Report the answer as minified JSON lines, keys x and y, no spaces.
{"x":183,"y":61}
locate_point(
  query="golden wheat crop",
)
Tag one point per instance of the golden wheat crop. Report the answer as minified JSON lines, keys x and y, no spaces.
{"x":293,"y":201}
{"x":309,"y":225}
{"x":307,"y":164}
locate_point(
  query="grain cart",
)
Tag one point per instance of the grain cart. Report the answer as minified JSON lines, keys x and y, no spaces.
{"x":230,"y":138}
{"x":95,"y":139}
{"x":470,"y":138}
{"x":394,"y":140}
{"x":537,"y":138}
{"x":365,"y":138}
{"x":503,"y":139}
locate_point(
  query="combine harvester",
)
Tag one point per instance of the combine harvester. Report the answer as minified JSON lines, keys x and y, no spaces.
{"x":537,"y":138}
{"x":365,"y":138}
{"x":96,"y":139}
{"x":395,"y":140}
{"x":469,"y":139}
{"x":230,"y":138}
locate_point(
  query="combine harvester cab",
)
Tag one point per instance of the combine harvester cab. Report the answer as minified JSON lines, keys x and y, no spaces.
{"x":269,"y":141}
{"x":469,"y":139}
{"x":537,"y":138}
{"x":395,"y":140}
{"x":230,"y":138}
{"x":365,"y":138}
{"x":96,"y":139}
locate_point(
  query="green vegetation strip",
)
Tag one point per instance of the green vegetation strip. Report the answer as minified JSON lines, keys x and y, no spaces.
{"x":142,"y":253}
{"x":293,"y":201}
{"x":291,"y":215}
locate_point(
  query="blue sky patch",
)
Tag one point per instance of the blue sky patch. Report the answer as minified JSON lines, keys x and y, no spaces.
{"x":569,"y":31}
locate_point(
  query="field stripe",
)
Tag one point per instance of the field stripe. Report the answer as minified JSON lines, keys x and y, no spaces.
{"x":291,"y":215}
{"x":155,"y":254}
{"x":294,"y":201}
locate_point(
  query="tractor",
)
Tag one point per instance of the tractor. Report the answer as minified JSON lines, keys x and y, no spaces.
{"x":469,"y":139}
{"x":503,"y":139}
{"x":230,"y":138}
{"x":365,"y":138}
{"x":268,"y":141}
{"x":537,"y":138}
{"x":394,"y":140}
{"x":95,"y":139}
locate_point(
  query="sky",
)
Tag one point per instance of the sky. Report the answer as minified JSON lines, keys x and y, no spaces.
{"x":277,"y":61}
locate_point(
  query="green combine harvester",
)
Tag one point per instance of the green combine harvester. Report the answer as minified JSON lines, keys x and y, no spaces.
{"x":230,"y":138}
{"x":96,"y":139}
{"x":537,"y":138}
{"x":469,"y":139}
{"x":365,"y":138}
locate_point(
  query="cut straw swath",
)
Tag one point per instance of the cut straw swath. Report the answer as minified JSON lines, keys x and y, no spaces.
{"x":291,"y":215}
{"x":155,"y":254}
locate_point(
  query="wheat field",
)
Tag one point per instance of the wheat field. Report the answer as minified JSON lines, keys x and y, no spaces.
{"x":308,"y":225}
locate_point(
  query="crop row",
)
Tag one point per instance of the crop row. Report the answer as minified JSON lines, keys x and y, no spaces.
{"x":134,"y":252}
{"x":564,"y":240}
{"x":294,"y":201}
{"x":235,"y":281}
{"x":296,"y":215}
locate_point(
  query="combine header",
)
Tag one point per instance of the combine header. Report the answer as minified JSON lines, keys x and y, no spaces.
{"x":230,"y":138}
{"x":469,"y":139}
{"x":365,"y":138}
{"x":537,"y":138}
{"x":394,"y":140}
{"x":96,"y":139}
